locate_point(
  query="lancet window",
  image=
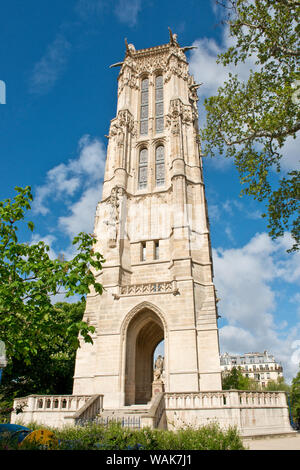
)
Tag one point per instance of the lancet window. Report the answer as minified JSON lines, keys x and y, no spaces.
{"x":143,"y":168}
{"x":159,"y":104}
{"x":160,"y":165}
{"x":144,"y":106}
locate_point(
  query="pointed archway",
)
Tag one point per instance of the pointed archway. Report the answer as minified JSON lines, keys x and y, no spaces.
{"x":144,"y":332}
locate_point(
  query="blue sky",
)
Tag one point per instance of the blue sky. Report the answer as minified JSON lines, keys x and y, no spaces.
{"x":60,"y":98}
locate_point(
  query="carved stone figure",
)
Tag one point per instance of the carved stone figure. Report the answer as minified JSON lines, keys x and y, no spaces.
{"x":120,"y":137}
{"x":111,"y":223}
{"x":158,"y":368}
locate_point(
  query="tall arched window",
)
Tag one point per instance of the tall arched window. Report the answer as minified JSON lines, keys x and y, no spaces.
{"x":143,"y":168}
{"x":144,"y":106}
{"x":160,"y":165}
{"x":159,"y":104}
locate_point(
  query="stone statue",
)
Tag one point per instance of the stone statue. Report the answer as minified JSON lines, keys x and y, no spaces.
{"x":112,"y":226}
{"x":158,"y":368}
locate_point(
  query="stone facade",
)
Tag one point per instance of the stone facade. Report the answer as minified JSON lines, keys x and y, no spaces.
{"x":262,"y":367}
{"x":152,"y":227}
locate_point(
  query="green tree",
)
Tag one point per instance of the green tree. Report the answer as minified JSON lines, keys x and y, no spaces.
{"x":278,"y":385}
{"x":235,"y":380}
{"x":51,"y":369}
{"x":29,"y":279}
{"x":295,"y":397}
{"x":250,"y":122}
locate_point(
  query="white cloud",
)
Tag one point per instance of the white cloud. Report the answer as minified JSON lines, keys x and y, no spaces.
{"x":127,"y":11}
{"x":49,"y":68}
{"x":244,"y":280}
{"x":65,"y":179}
{"x":290,"y":154}
{"x":206,"y":70}
{"x":82,"y":213}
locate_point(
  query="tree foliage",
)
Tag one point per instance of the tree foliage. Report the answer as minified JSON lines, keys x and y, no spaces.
{"x":235,"y":380}
{"x":29,"y":279}
{"x":295,"y":397}
{"x":51,"y":369}
{"x":251,"y":121}
{"x":278,"y":385}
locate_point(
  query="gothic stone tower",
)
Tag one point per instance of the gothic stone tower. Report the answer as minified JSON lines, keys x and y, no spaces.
{"x":152,"y":228}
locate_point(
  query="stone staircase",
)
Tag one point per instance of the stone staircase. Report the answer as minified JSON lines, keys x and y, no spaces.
{"x":135,"y":416}
{"x":127,"y":416}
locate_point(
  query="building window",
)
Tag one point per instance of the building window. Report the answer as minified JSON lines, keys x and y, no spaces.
{"x":144,"y":106}
{"x":156,"y":250}
{"x":143,"y":251}
{"x":159,"y":104}
{"x":143,"y":168}
{"x":160,"y":165}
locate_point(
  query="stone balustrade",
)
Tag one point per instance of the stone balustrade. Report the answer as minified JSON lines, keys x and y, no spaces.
{"x":222,"y":399}
{"x":253,"y":413}
{"x":56,"y":409}
{"x":52,"y":402}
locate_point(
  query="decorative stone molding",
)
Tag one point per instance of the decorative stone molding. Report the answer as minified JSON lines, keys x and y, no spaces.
{"x":138,"y":308}
{"x":123,"y":123}
{"x":176,"y":67}
{"x":179,"y":113}
{"x":169,"y":57}
{"x":165,"y":287}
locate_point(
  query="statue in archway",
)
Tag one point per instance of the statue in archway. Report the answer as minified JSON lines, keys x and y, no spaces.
{"x":158,"y":368}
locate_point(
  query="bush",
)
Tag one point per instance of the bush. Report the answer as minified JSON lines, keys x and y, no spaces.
{"x":115,"y":437}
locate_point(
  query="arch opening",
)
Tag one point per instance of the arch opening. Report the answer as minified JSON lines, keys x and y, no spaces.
{"x":145,"y":331}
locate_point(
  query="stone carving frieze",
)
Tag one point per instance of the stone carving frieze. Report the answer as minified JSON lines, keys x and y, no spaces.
{"x":150,"y":64}
{"x":179,"y":113}
{"x":128,"y":75}
{"x":176,"y":66}
{"x":167,"y":287}
{"x":122,"y":124}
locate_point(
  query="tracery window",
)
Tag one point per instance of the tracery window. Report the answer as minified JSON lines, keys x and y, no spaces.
{"x":143,"y":168}
{"x":159,"y":104}
{"x":160,"y":165}
{"x":144,"y":106}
